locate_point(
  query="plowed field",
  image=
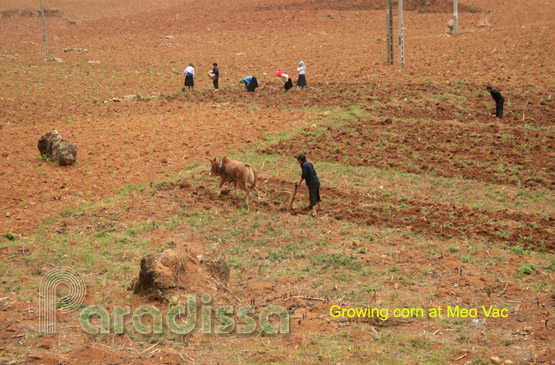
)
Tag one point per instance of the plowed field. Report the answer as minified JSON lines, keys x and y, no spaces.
{"x":428,"y":199}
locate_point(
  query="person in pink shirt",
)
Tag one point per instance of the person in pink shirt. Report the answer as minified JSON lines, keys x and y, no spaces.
{"x":287,"y":82}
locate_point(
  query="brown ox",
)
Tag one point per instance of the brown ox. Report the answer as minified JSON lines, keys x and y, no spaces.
{"x":236,"y":172}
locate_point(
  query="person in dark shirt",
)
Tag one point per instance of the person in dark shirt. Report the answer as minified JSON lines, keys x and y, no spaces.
{"x":216,"y":72}
{"x":499,"y":101}
{"x":312,"y":182}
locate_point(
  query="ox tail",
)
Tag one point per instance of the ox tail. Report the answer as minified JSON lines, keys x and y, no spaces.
{"x":251,"y":179}
{"x":251,"y":176}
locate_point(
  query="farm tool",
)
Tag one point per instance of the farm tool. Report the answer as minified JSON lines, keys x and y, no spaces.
{"x":285,"y":193}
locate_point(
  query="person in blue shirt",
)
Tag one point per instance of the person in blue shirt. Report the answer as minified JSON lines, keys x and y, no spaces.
{"x":216,"y":72}
{"x":250,"y":83}
{"x":312,"y":182}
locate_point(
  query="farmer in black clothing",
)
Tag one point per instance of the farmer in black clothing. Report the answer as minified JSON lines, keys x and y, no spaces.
{"x":499,"y":101}
{"x":312,"y":182}
{"x":250,"y":83}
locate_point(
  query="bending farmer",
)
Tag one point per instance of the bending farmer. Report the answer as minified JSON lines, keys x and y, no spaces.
{"x":499,"y":101}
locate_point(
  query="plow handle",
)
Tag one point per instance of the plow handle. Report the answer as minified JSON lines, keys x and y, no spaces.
{"x":292,"y":198}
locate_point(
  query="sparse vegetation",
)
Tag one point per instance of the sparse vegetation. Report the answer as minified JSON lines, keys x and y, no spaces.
{"x":427,"y":200}
{"x":527,"y":269}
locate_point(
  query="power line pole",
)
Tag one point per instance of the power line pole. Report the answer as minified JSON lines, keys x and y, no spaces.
{"x":455,"y":18}
{"x":43,"y":29}
{"x":401,"y":36}
{"x":389,"y":26}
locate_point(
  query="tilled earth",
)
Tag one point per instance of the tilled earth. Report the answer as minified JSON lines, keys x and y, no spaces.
{"x":431,"y":117}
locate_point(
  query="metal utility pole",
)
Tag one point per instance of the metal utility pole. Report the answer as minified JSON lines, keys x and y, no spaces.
{"x":401,"y":36}
{"x":389,"y":26}
{"x":43,"y":29}
{"x":455,"y":18}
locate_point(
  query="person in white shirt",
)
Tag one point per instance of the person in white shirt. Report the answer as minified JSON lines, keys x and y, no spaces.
{"x":301,"y":81}
{"x":287,"y":82}
{"x":189,"y":76}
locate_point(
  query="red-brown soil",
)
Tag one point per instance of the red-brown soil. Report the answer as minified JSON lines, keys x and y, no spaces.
{"x":431,"y":117}
{"x":490,"y":152}
{"x":452,"y":281}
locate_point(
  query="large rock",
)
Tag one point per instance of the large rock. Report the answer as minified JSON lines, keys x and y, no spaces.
{"x":175,"y":272}
{"x":46,"y":142}
{"x":55,"y":148}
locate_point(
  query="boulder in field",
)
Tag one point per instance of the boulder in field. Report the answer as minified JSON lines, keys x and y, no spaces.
{"x":175,"y":272}
{"x":55,"y":148}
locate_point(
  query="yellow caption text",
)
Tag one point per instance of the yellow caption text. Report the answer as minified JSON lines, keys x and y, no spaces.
{"x":436,"y":312}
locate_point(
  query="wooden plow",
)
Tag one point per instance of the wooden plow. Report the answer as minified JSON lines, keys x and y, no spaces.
{"x":285,"y":193}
